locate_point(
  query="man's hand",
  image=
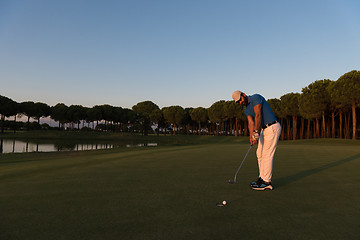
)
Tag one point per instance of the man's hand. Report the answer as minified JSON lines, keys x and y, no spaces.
{"x":253,"y":141}
{"x":254,"y":138}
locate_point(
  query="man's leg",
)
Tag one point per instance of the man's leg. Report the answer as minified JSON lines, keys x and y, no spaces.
{"x":268,"y":143}
{"x":259,"y":151}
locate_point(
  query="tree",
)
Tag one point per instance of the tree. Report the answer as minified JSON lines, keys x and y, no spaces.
{"x":156,"y":116}
{"x":29,"y":109}
{"x":174,"y":115}
{"x":59,"y":113}
{"x":230,"y":111}
{"x":8,"y":108}
{"x":290,"y":107}
{"x":94,"y":114}
{"x":147,"y":112}
{"x":314,"y":102}
{"x":118,"y":117}
{"x":335,"y":106}
{"x":75,"y":114}
{"x":188,"y":121}
{"x":199,"y":115}
{"x":276,"y":107}
{"x":349,"y":83}
{"x":240,"y":117}
{"x":108,"y":114}
{"x":41,"y":110}
{"x":129,"y":117}
{"x":216,"y":113}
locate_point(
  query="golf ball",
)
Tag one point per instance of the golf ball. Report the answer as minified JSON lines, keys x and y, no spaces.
{"x":224,"y":202}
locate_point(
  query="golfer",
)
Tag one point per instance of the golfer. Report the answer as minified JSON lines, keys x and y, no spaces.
{"x":264,"y":130}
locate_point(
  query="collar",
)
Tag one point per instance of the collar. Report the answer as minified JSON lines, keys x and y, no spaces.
{"x":249,"y":100}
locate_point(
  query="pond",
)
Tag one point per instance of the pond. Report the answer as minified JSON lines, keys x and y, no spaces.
{"x":18,"y":146}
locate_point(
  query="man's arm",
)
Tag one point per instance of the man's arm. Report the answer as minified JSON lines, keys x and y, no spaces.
{"x":257,"y":124}
{"x":251,"y":126}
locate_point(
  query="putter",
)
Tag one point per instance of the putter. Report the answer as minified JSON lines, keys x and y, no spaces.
{"x":234,"y":181}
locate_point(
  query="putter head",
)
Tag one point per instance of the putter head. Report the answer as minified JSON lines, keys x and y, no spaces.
{"x":220,"y":205}
{"x":232,"y":181}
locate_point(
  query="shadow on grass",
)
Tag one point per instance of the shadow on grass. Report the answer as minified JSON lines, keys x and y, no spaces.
{"x":296,"y":177}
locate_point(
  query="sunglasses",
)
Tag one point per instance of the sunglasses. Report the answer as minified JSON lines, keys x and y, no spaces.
{"x":238,"y":101}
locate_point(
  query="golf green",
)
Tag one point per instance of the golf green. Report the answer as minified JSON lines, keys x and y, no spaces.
{"x":171,"y":193}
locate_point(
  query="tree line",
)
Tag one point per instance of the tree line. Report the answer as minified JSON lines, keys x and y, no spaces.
{"x":324,"y":109}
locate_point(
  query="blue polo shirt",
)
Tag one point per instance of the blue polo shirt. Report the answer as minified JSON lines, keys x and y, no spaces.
{"x":267,"y":115}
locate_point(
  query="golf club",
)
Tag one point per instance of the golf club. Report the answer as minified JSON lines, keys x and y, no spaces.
{"x":234,"y":181}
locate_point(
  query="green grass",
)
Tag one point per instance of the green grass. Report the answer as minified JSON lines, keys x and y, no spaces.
{"x":170,"y":192}
{"x":61,"y":137}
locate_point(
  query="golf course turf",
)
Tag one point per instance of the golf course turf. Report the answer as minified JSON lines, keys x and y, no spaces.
{"x":170,"y":192}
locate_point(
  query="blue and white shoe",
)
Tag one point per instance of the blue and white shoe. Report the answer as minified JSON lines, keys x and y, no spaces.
{"x":258,"y":182}
{"x":262,"y":186}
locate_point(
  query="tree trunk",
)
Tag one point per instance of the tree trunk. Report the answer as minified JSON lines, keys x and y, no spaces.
{"x":288,"y":128}
{"x":15,"y":124}
{"x":308,"y":130}
{"x":314,"y":129}
{"x":282,"y":137}
{"x":2,"y":123}
{"x":323,"y":132}
{"x":347,"y":123}
{"x":28,"y":124}
{"x":317,"y":128}
{"x":328,"y":130}
{"x":246,"y":130}
{"x":341,"y":125}
{"x":241,"y":132}
{"x":302,"y":128}
{"x":353,"y":108}
{"x":199,"y":128}
{"x":294,"y":127}
{"x":225,"y":128}
{"x":333,"y":124}
{"x":236,"y":127}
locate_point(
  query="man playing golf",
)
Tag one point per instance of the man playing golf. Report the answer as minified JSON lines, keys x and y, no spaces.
{"x":264,"y":130}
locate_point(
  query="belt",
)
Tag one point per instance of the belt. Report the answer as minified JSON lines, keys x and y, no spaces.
{"x":269,"y":124}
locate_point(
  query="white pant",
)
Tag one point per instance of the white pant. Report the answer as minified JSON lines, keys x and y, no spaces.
{"x":268,"y":141}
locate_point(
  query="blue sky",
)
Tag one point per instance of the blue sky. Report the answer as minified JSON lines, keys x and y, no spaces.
{"x":190,"y":53}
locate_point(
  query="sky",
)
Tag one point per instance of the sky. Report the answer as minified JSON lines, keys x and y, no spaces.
{"x":191,"y":53}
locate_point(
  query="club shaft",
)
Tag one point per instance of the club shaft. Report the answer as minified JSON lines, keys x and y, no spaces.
{"x":242,"y":163}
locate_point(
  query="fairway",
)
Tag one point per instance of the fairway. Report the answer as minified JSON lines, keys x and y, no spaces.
{"x":171,"y":193}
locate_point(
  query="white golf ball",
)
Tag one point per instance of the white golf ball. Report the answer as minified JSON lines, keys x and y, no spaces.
{"x":224,"y":202}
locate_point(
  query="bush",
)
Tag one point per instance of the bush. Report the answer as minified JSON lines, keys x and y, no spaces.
{"x":45,"y":126}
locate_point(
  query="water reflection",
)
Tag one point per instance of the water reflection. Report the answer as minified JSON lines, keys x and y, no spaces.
{"x":17,"y":146}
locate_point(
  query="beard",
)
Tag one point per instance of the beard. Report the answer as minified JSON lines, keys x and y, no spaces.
{"x":246,"y":101}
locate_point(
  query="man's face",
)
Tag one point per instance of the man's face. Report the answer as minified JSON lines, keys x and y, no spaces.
{"x":243,"y":100}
